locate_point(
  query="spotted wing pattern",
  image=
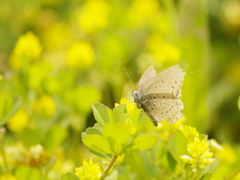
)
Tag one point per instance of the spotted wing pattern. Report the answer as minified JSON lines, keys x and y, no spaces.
{"x":168,"y":81}
{"x":163,"y":109}
{"x":148,"y":74}
{"x":160,"y":93}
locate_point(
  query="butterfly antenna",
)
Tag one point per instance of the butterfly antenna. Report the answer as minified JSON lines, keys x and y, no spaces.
{"x":129,"y":76}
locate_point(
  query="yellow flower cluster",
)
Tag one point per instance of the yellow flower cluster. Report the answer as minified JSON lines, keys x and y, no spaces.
{"x":18,"y":121}
{"x":27,"y":49}
{"x":165,"y":130}
{"x":142,"y":11}
{"x":199,"y":154}
{"x":94,"y":16}
{"x":130,"y":106}
{"x":8,"y":177}
{"x":227,"y":154}
{"x":89,"y":171}
{"x":44,"y":106}
{"x":163,"y":50}
{"x":80,"y":55}
{"x":36,"y":156}
{"x":189,"y":131}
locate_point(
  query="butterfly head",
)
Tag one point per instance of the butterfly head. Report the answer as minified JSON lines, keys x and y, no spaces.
{"x":137,"y":98}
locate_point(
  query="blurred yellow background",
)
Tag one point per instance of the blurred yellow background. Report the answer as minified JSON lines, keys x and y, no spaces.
{"x":61,"y":56}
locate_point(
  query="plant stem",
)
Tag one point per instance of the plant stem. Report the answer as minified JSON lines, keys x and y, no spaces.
{"x":114,"y":158}
{"x":196,"y":173}
{"x":4,"y":157}
{"x":233,"y":175}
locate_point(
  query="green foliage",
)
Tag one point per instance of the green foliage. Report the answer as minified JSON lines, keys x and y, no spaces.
{"x":142,"y":143}
{"x":206,"y":176}
{"x":58,"y":58}
{"x":114,"y":137}
{"x":27,"y":173}
{"x":177,"y":145}
{"x":69,"y":176}
{"x":8,"y":106}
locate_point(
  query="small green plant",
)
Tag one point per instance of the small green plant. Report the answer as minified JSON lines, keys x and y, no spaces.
{"x":185,"y":155}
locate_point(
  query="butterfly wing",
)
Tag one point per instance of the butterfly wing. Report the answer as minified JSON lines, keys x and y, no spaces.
{"x":168,"y":81}
{"x":160,"y":109}
{"x":148,"y":74}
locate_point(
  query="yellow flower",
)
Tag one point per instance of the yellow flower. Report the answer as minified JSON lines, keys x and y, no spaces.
{"x":231,"y":12}
{"x":189,"y":131}
{"x":44,"y":106}
{"x":8,"y":177}
{"x":37,"y":156}
{"x":89,"y":171}
{"x":27,"y":49}
{"x":80,"y":55}
{"x":130,"y":106}
{"x":227,"y":154}
{"x":199,"y":154}
{"x":18,"y":121}
{"x":56,"y":36}
{"x":143,"y":11}
{"x":163,"y":50}
{"x":132,"y":129}
{"x":165,"y":130}
{"x":94,"y":16}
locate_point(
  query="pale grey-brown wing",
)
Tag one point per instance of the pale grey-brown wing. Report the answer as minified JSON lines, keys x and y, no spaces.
{"x":163,"y":109}
{"x":168,"y":81}
{"x":147,"y":75}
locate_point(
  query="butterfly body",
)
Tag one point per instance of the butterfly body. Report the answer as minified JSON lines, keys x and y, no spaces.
{"x":158,"y":94}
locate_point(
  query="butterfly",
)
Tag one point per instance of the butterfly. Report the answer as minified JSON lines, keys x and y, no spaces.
{"x":158,"y":94}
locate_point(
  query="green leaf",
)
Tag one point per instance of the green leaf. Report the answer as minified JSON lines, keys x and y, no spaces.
{"x":117,"y":136}
{"x":177,"y":145}
{"x":172,"y":178}
{"x":55,"y":137}
{"x":118,"y":111}
{"x":111,"y":116}
{"x":112,"y":176}
{"x":97,"y":143}
{"x":69,"y":176}
{"x":123,"y":118}
{"x":100,"y":113}
{"x":93,"y":131}
{"x":101,"y":154}
{"x":8,"y":106}
{"x":203,"y":136}
{"x":135,"y":115}
{"x":206,"y":176}
{"x":27,"y":173}
{"x":171,"y":161}
{"x":142,"y":143}
{"x":187,"y":172}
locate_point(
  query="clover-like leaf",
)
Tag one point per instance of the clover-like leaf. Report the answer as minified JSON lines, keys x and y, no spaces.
{"x":69,"y":176}
{"x":177,"y":145}
{"x":117,"y":136}
{"x":97,"y":143}
{"x":206,"y":176}
{"x":101,"y":113}
{"x":118,"y":111}
{"x":142,"y":143}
